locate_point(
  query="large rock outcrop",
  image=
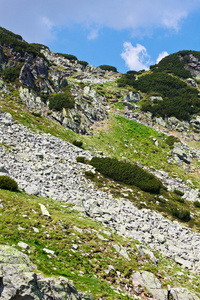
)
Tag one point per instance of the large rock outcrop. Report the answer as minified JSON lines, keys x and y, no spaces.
{"x":18,"y":280}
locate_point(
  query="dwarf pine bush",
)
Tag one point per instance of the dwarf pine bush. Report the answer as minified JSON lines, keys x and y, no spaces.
{"x":7,"y":183}
{"x":126,"y":173}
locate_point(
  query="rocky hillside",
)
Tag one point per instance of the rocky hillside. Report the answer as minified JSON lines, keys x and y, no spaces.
{"x":116,"y":239}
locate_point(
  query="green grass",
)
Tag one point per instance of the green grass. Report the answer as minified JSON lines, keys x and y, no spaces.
{"x":130,"y":140}
{"x":92,"y":256}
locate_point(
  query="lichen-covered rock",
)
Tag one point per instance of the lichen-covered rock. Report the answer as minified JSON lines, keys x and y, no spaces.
{"x":182,"y":294}
{"x":41,"y":68}
{"x":177,"y":124}
{"x":132,"y":97}
{"x":151,"y":283}
{"x":19,"y":281}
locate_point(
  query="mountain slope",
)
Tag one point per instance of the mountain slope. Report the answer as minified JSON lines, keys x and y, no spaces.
{"x":124,"y":237}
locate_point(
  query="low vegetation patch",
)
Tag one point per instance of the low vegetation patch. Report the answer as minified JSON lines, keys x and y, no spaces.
{"x":68,"y":56}
{"x":77,"y":143}
{"x":12,"y":74}
{"x":60,"y":101}
{"x":108,"y":68}
{"x":7,"y":183}
{"x":89,"y":174}
{"x":126,"y":173}
{"x":83,"y":63}
{"x":178,"y":192}
{"x":181,"y":214}
{"x":80,"y":159}
{"x":197,"y":204}
{"x":170,"y":140}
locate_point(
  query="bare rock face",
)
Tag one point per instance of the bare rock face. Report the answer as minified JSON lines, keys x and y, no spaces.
{"x":40,"y":68}
{"x":19,"y":281}
{"x":26,"y":77}
{"x":2,"y":59}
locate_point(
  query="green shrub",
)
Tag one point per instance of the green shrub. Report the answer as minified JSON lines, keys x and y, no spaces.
{"x":177,"y":192}
{"x":77,"y":143}
{"x":127,"y":79}
{"x":60,"y":101}
{"x":39,"y":46}
{"x":36,"y":114}
{"x":7,"y":183}
{"x":197,"y":204}
{"x":126,"y":173}
{"x":183,"y":215}
{"x":12,"y":74}
{"x":107,"y":68}
{"x":170,"y":140}
{"x":83,"y":63}
{"x":80,"y":159}
{"x":68,"y":56}
{"x":181,"y":200}
{"x":131,"y":72}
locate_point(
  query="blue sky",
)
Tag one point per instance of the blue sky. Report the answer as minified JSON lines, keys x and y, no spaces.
{"x":127,"y":34}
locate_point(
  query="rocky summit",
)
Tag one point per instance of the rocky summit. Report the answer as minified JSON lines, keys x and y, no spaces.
{"x":63,"y":219}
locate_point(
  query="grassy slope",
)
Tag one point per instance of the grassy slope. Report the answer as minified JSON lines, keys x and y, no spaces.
{"x":86,"y":266}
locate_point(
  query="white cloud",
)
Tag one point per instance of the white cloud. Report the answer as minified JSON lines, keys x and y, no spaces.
{"x":136,"y":58}
{"x":24,"y":17}
{"x":93,"y":34}
{"x":161,"y":56}
{"x":46,"y":22}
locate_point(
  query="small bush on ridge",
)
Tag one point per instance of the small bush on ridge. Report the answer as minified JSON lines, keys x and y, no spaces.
{"x":83,"y":63}
{"x":7,"y":183}
{"x":107,"y":68}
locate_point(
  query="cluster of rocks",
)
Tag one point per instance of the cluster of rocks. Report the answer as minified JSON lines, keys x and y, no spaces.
{"x":130,"y":99}
{"x":82,"y":73}
{"x":154,"y":286}
{"x":176,"y":183}
{"x":89,"y":108}
{"x":19,"y":280}
{"x":45,"y":165}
